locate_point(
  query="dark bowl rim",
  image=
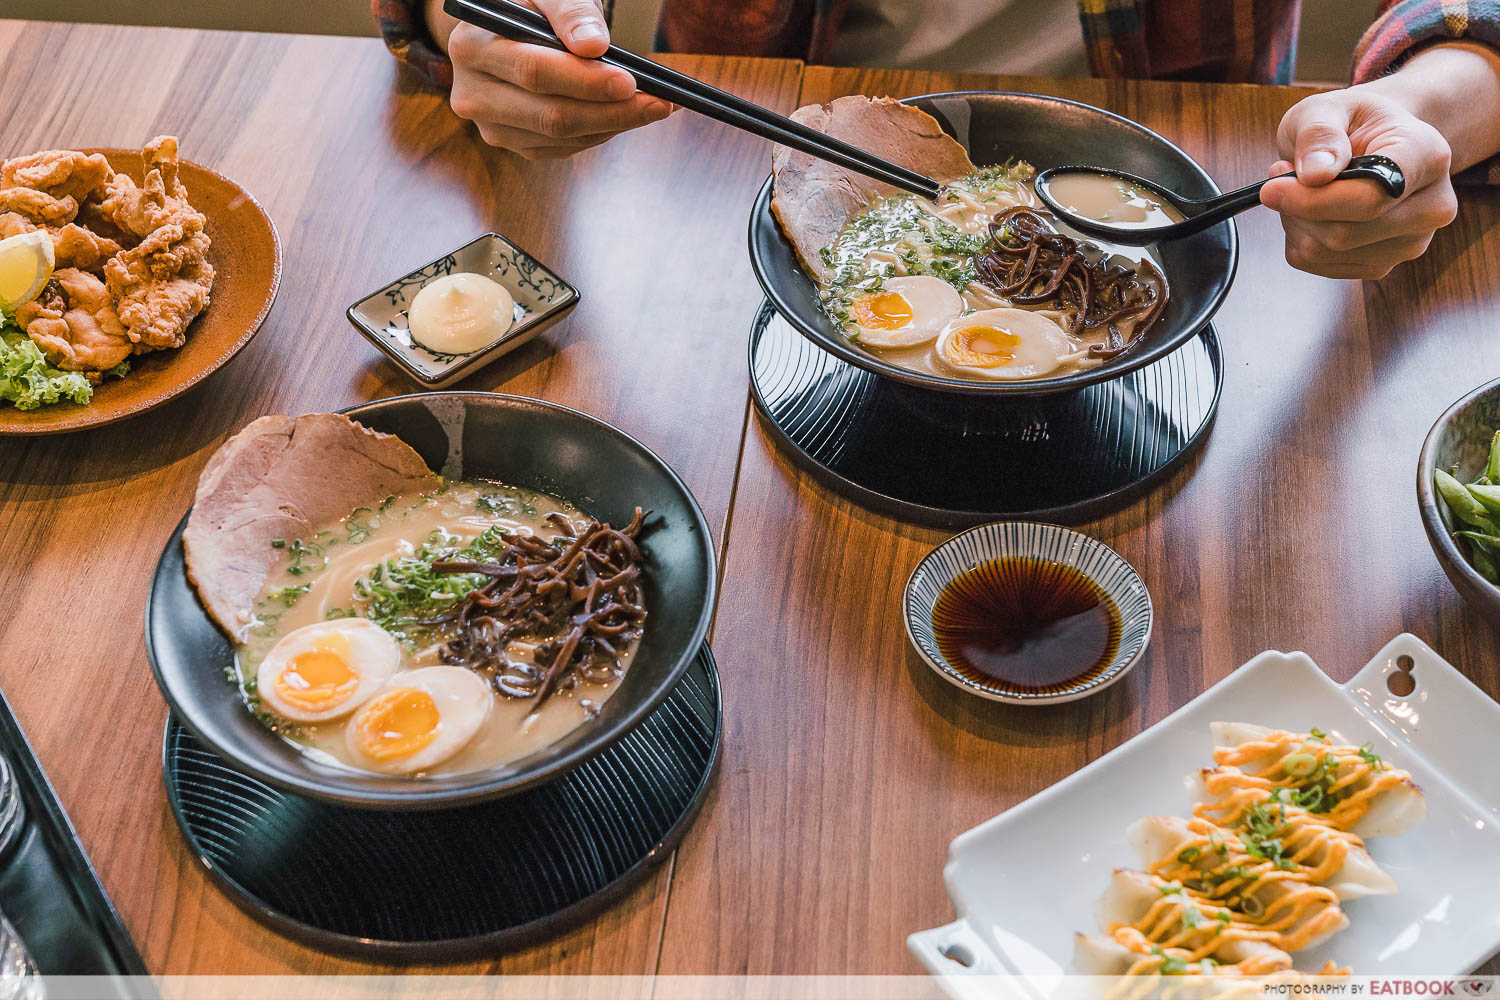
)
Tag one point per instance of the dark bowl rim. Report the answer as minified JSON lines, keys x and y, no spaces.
{"x":760,"y":211}
{"x":1438,"y":533}
{"x":405,"y":797}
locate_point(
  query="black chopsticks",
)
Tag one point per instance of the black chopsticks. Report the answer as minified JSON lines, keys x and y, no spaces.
{"x":526,"y":25}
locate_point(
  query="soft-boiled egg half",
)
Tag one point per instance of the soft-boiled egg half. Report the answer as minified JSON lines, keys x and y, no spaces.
{"x":905,"y":312}
{"x":1004,"y":343}
{"x":323,"y":671}
{"x":419,"y":719}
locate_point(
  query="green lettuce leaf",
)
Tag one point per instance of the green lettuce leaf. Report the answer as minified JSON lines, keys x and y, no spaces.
{"x":27,"y":381}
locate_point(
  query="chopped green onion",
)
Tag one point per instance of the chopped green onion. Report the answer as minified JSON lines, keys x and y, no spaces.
{"x":1300,"y":765}
{"x":1370,"y":757}
{"x":1171,"y":965}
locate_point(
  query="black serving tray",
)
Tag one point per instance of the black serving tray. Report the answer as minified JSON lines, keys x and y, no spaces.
{"x":474,"y":881}
{"x":48,"y":888}
{"x":951,"y":460}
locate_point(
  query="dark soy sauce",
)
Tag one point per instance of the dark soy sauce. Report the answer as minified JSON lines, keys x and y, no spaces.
{"x":1028,"y":625}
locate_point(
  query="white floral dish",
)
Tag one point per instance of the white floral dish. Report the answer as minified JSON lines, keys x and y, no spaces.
{"x":542,"y":298}
{"x":1051,"y":543}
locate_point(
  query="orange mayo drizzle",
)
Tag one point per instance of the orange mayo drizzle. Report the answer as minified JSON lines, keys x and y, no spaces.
{"x":1355,"y":782}
{"x":1296,"y":908}
{"x":1315,"y":851}
{"x":1144,"y":977}
{"x":1297,"y":913}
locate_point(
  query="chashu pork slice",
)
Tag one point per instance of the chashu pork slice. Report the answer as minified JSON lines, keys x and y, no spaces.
{"x":284,"y":477}
{"x":813,"y":199}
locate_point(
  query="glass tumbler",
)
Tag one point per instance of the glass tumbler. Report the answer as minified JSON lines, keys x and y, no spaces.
{"x":19,"y":979}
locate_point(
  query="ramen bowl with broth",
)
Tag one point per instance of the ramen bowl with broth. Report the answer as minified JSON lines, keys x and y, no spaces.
{"x":360,"y":705}
{"x":888,"y":307}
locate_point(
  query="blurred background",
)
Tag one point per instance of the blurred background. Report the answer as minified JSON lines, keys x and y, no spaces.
{"x":1329,"y":27}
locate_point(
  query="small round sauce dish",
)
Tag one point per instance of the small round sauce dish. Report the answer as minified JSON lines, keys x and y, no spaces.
{"x":1027,"y":613}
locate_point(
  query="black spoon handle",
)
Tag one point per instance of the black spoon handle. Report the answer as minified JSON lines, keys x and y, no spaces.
{"x":1380,"y":169}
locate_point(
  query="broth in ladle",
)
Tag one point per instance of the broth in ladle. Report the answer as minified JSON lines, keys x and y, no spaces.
{"x":1108,"y":199}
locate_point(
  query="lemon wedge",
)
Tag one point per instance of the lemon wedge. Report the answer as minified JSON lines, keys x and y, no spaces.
{"x":26,"y":262}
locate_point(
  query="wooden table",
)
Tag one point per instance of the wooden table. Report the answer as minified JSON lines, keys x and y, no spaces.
{"x":847,"y":765}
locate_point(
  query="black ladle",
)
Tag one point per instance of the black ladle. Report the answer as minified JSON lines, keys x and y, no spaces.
{"x":1196,"y":215}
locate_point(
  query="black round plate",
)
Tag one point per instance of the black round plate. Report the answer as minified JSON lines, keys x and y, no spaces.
{"x":947,"y":460}
{"x":458,"y":883}
{"x":1046,"y":132}
{"x":516,"y":440}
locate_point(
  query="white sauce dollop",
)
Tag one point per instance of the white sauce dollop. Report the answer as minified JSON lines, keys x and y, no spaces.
{"x":460,"y":313}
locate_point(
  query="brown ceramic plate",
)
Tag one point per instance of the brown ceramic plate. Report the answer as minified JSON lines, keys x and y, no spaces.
{"x":247,"y":258}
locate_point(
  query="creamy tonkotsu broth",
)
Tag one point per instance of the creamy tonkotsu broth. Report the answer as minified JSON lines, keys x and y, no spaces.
{"x":1111,"y":200}
{"x":374,"y":566}
{"x":924,"y":285}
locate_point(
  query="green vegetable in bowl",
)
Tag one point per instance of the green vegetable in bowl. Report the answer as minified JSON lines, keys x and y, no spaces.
{"x":28,"y":381}
{"x":1476,"y":506}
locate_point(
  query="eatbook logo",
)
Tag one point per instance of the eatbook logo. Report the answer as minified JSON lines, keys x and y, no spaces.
{"x":1476,"y":987}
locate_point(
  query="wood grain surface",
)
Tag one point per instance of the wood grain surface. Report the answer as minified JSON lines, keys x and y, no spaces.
{"x":366,"y":174}
{"x":848,"y":766}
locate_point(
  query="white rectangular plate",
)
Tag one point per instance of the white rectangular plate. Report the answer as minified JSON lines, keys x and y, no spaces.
{"x":1024,"y":882}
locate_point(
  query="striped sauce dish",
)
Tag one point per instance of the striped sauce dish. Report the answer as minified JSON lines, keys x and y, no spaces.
{"x":1054,"y":550}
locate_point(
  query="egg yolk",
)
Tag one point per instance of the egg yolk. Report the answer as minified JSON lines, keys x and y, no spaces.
{"x":983,"y":347}
{"x":319,"y":677}
{"x":889,"y":311}
{"x":397,"y":724}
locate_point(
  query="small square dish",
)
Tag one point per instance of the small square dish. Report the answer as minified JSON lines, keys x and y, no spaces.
{"x":541,"y":296}
{"x":1024,"y":882}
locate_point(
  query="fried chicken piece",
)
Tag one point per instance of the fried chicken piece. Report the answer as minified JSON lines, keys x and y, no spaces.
{"x":14,"y":224}
{"x":74,"y":323}
{"x":74,"y":246}
{"x":47,"y":188}
{"x":159,"y":199}
{"x":160,"y":286}
{"x":61,"y":173}
{"x":39,"y":206}
{"x":96,"y":222}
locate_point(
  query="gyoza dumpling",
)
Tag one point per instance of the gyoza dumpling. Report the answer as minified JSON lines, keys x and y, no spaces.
{"x":1350,"y":787}
{"x":1278,"y":914}
{"x":1098,"y":955}
{"x":1197,"y":853}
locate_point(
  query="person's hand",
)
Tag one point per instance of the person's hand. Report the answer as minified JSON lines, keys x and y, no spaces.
{"x":1353,"y":228}
{"x":540,"y":102}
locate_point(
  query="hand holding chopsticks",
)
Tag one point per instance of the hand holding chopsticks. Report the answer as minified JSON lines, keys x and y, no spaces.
{"x":543,"y":103}
{"x":521,"y":23}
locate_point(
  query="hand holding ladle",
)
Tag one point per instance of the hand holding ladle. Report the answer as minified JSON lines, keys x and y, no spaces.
{"x":1196,"y":214}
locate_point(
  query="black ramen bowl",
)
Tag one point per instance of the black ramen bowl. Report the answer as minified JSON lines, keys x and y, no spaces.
{"x":519,"y":441}
{"x":1046,"y":132}
{"x":1459,"y":442}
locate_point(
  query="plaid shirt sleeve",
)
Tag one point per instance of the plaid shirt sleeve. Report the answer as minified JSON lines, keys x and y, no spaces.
{"x":1405,"y":26}
{"x":403,"y":24}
